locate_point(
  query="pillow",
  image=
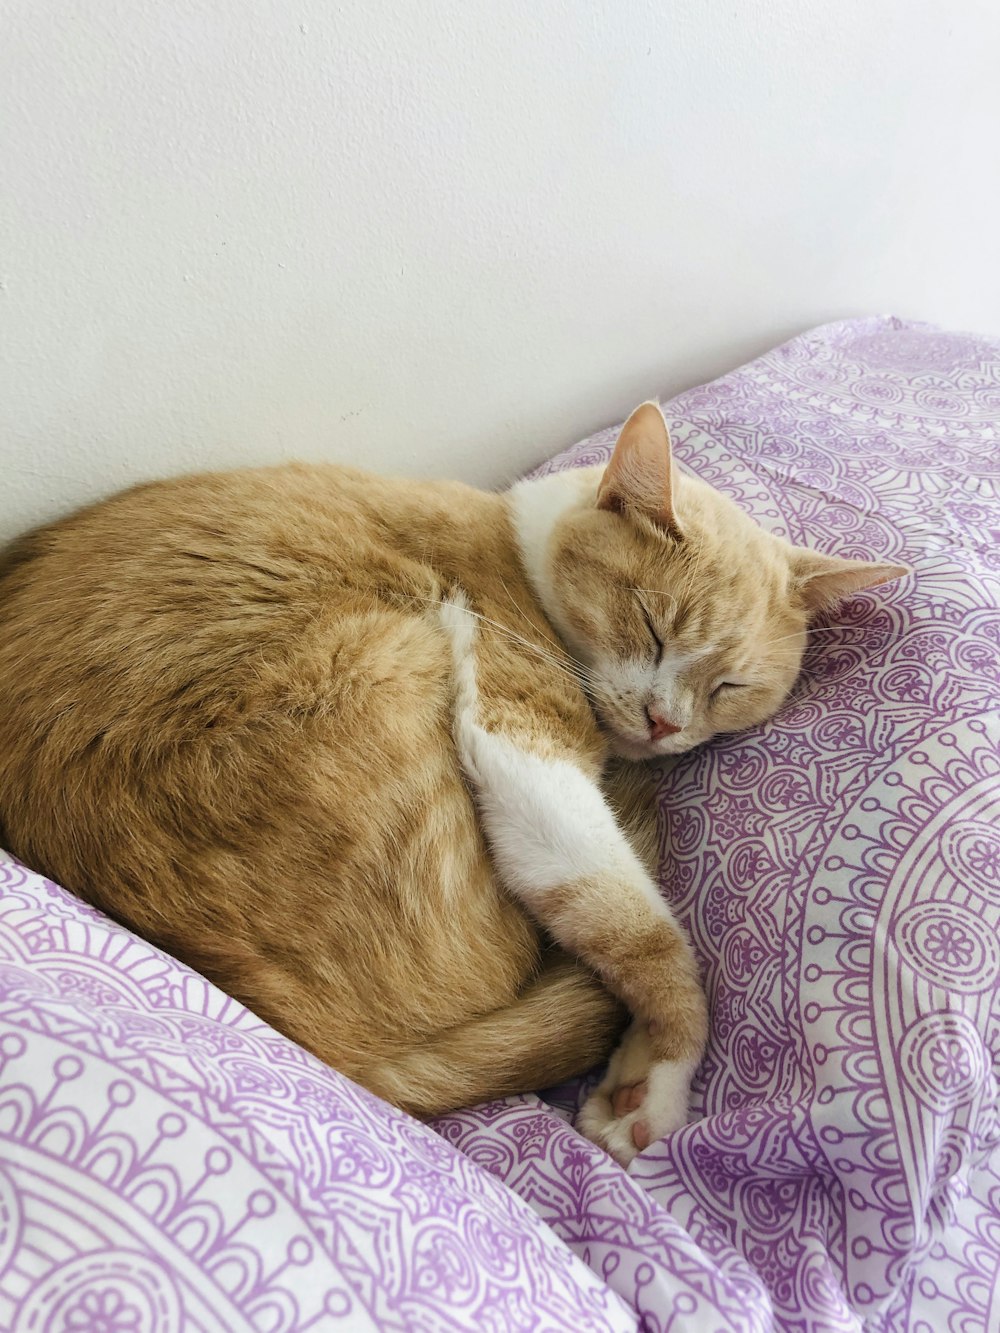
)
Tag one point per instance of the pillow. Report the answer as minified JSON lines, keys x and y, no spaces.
{"x":838,"y":869}
{"x":169,"y":1164}
{"x":167,"y":1161}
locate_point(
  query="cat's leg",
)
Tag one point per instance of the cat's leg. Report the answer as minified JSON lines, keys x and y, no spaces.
{"x":563,"y":1022}
{"x":640,"y":1098}
{"x":557,"y":847}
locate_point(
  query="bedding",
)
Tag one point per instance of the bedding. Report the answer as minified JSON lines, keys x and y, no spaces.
{"x":169,"y":1162}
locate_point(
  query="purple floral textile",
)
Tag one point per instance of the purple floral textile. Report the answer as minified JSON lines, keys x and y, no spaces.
{"x":838,"y":869}
{"x":168,"y":1162}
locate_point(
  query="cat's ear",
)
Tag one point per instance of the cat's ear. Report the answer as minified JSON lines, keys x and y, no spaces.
{"x":824,"y":580}
{"x":640,"y":475}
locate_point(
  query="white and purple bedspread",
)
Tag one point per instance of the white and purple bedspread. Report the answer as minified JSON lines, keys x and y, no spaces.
{"x":167,"y":1162}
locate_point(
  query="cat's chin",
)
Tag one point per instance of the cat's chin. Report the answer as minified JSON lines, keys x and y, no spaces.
{"x":625,"y":747}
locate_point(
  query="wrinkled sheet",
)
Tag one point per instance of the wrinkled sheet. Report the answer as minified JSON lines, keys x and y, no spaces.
{"x":839,"y":872}
{"x":168,"y":1162}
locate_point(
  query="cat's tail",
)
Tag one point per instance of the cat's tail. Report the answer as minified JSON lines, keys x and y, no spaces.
{"x":564,"y":1020}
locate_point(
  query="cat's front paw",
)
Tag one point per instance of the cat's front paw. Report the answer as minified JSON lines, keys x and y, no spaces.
{"x":639,"y":1100}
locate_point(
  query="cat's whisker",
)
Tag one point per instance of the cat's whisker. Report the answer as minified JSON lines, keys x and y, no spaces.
{"x":574,"y":671}
{"x":658,"y":592}
{"x":569,"y":669}
{"x":809,"y":632}
{"x":571,"y":665}
{"x":695,"y":564}
{"x":520,"y":611}
{"x":689,"y":580}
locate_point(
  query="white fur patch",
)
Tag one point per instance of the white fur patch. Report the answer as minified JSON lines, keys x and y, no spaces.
{"x":663,"y":1109}
{"x":547,"y":823}
{"x":536,"y":507}
{"x":548,"y":826}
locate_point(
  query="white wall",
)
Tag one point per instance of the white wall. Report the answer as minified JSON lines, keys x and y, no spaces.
{"x":447,"y":236}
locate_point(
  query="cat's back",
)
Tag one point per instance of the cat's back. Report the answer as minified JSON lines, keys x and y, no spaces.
{"x":201,"y":546}
{"x":204,"y":636}
{"x":178,"y":584}
{"x":225,"y":719}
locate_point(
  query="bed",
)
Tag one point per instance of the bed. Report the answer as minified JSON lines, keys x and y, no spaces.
{"x":169,"y":1162}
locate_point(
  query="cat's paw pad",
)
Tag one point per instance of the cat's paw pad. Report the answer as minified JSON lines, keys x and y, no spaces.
{"x":624,"y":1115}
{"x":627,"y":1098}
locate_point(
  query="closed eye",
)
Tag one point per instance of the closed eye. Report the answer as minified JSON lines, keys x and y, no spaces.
{"x":653,"y":634}
{"x":726,"y":685}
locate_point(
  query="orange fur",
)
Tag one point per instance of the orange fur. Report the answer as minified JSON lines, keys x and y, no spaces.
{"x":226,"y":720}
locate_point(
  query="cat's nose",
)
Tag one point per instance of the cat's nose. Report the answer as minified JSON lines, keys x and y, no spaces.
{"x":659,"y":726}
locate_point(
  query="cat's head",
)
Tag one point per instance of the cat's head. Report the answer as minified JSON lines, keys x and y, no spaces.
{"x":688,"y":617}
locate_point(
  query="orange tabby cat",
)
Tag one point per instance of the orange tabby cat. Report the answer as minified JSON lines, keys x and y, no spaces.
{"x":336,"y":741}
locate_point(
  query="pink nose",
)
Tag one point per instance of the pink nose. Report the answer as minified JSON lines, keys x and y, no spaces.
{"x":659,"y":726}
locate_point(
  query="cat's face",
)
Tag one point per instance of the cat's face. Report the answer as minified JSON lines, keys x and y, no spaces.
{"x":689,"y":619}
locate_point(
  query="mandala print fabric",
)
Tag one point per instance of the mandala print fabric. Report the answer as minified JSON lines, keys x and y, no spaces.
{"x":839,"y":873}
{"x":167,"y":1162}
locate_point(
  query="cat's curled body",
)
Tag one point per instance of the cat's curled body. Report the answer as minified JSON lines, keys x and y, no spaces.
{"x":336,"y":741}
